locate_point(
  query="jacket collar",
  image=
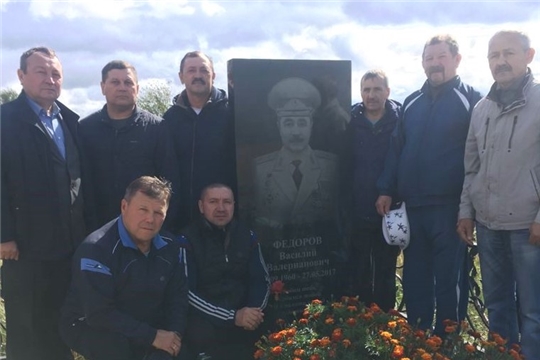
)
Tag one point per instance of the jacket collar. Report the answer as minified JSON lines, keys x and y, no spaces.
{"x":157,"y":241}
{"x":521,"y":100}
{"x":22,"y":103}
{"x":429,"y":90}
{"x":216,"y":95}
{"x":391,"y":114}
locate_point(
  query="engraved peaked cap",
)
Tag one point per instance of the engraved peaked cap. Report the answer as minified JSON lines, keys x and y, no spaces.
{"x":294,"y":97}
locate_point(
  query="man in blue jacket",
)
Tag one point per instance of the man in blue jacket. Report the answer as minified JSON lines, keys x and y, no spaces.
{"x":128,"y":297}
{"x":424,"y":168}
{"x":122,"y":142}
{"x":228,"y":281}
{"x":202,"y":133}
{"x":372,"y":262}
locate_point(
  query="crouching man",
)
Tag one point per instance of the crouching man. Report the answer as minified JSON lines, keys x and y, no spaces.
{"x":228,"y":281}
{"x":128,"y":297}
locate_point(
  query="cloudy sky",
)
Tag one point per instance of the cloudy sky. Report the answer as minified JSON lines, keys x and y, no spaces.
{"x":153,"y":35}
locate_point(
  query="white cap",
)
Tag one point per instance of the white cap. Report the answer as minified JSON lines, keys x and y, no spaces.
{"x":395,"y":226}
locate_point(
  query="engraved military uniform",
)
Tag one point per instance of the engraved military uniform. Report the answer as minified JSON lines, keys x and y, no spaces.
{"x":295,"y":186}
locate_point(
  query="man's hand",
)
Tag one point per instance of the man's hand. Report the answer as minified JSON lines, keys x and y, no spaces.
{"x":534,"y":237}
{"x":249,"y":318}
{"x":167,"y":341}
{"x":465,"y":228}
{"x":383,"y":204}
{"x":9,"y":251}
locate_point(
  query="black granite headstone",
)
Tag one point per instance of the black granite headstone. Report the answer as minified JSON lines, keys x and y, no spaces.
{"x":290,"y":117}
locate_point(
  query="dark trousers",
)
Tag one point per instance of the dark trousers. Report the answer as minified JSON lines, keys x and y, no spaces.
{"x":33,"y":292}
{"x":100,"y":344}
{"x":435,"y":268}
{"x":372,"y":266}
{"x":221,"y":343}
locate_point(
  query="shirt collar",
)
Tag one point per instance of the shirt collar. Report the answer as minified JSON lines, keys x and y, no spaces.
{"x":40,"y":111}
{"x":157,"y":241}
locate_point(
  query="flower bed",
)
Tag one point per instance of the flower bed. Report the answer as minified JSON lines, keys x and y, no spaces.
{"x":348,"y":330}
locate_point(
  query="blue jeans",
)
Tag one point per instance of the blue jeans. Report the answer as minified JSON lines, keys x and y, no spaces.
{"x":509,"y":262}
{"x":435,"y":268}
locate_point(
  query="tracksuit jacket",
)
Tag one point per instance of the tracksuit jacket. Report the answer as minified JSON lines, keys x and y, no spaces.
{"x":225,"y":270}
{"x":118,"y":288}
{"x":204,"y":146}
{"x":116,"y":156}
{"x":424,"y":165}
{"x":502,"y":161}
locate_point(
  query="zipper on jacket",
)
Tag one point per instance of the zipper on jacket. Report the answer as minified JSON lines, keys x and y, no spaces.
{"x":512,"y":134}
{"x":192,"y":165}
{"x":486,"y":134}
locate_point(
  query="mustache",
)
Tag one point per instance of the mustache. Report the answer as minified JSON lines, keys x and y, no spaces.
{"x":501,"y":68}
{"x":198,"y":80}
{"x":435,"y":69}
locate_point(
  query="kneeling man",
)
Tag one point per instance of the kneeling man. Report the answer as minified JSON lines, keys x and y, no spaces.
{"x":128,"y":297}
{"x":228,"y":281}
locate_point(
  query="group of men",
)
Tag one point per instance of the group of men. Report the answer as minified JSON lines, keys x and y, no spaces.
{"x":130,"y":290}
{"x":453,"y":158}
{"x":450,"y":155}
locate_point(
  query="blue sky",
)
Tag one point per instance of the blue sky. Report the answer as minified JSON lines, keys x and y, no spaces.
{"x":154,"y":35}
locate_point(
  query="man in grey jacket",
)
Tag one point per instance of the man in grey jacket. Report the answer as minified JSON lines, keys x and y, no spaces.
{"x":501,"y":191}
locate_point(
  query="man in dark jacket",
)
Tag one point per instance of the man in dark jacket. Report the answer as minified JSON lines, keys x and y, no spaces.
{"x":424,"y":168}
{"x":128,"y":298}
{"x":372,"y":262}
{"x":202,"y":133}
{"x":122,"y":142}
{"x":42,"y":208}
{"x":228,"y":280}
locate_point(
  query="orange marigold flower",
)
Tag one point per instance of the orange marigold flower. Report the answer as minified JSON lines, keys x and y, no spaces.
{"x":392,"y":324}
{"x":394,"y":342}
{"x":393,"y":312}
{"x":314,"y":343}
{"x":316,"y":302}
{"x":502,"y":349}
{"x":305,"y":313}
{"x":420,"y":351}
{"x":324,"y":342}
{"x":280,"y":322}
{"x":337,"y":335}
{"x":303,"y":321}
{"x":375,"y":308}
{"x":258,"y":354}
{"x":386,"y":335}
{"x":432,"y":343}
{"x":470,"y":348}
{"x":275,"y":337}
{"x":398,"y":351}
{"x":498,"y":339}
{"x":419,"y":333}
{"x":352,"y":308}
{"x":337,"y":305}
{"x":329,"y":321}
{"x":297,"y":358}
{"x":315,"y":357}
{"x":351,"y":321}
{"x":437,"y":340}
{"x":515,"y":355}
{"x":290,"y":342}
{"x":290,"y":332}
{"x":346,"y":343}
{"x":316,"y":315}
{"x":426,"y":356}
{"x":367,"y":316}
{"x":299,"y":352}
{"x":276,"y":350}
{"x":516,"y":347}
{"x":450,"y":328}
